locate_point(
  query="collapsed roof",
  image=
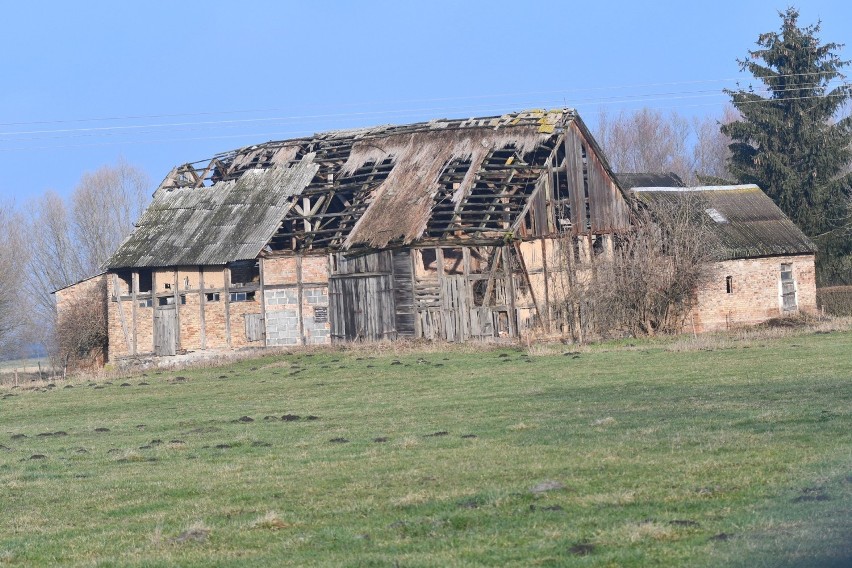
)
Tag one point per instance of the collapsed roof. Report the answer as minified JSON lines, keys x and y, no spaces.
{"x":374,"y":187}
{"x":747,"y":221}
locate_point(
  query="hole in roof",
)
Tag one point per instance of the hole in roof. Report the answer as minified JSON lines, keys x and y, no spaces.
{"x":716,"y":215}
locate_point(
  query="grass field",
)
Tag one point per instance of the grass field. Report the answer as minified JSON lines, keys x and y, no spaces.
{"x":733,"y":453}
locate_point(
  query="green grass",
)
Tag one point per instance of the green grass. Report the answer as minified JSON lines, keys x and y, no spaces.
{"x":659,"y":452}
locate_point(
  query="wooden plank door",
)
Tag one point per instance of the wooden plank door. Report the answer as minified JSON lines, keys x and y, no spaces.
{"x":165,"y":330}
{"x":362,"y":308}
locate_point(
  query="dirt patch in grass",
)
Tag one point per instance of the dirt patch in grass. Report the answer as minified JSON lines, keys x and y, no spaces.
{"x":581,"y":549}
{"x":197,"y":533}
{"x":811,"y":494}
{"x":546,"y":486}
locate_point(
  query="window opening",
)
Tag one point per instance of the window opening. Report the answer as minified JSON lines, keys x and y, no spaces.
{"x":788,"y":288}
{"x":212,"y":296}
{"x":166,"y":301}
{"x":729,"y":284}
{"x":242,"y":296}
{"x":245,"y":272}
{"x":146,"y":281}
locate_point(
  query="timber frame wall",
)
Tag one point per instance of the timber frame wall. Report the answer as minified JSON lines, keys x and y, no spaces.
{"x":449,"y":292}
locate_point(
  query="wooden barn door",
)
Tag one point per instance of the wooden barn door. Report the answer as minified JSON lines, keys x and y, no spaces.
{"x":165,"y":330}
{"x":362,"y":307}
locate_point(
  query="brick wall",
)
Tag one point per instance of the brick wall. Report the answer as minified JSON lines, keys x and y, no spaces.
{"x":755,"y":292}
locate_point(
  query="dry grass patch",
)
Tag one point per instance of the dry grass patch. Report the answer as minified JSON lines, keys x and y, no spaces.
{"x":270,"y":521}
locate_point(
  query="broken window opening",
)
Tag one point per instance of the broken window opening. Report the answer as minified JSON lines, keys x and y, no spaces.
{"x":244,"y":272}
{"x":125,"y":277}
{"x":166,"y":301}
{"x":212,"y":296}
{"x":729,"y":284}
{"x":146,"y":280}
{"x":241,"y":297}
{"x":429,"y":260}
{"x":146,"y":303}
{"x":597,"y":245}
{"x":453,"y":261}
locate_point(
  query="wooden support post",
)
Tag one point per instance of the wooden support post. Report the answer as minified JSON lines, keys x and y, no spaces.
{"x":134,"y":291}
{"x":492,"y":276}
{"x":176,"y":296}
{"x":154,"y":310}
{"x":526,"y":274}
{"x":299,"y":293}
{"x":226,"y":281}
{"x":510,"y":291}
{"x":548,"y":306}
{"x":117,"y":293}
{"x":262,"y":302}
{"x":413,"y":257}
{"x":202,"y":302}
{"x":442,"y":287}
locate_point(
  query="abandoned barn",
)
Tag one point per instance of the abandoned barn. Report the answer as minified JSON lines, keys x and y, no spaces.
{"x":448,"y":229}
{"x":767,"y":264}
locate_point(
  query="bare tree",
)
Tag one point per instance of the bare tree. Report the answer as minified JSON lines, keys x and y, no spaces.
{"x":651,"y":141}
{"x":12,"y":261}
{"x":648,"y":286}
{"x":69,"y":242}
{"x":104,"y":206}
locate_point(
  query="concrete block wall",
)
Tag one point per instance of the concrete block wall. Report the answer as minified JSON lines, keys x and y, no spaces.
{"x":315,"y":299}
{"x":282,"y":317}
{"x":281,"y":279}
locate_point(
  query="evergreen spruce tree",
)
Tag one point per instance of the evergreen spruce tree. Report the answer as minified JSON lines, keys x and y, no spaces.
{"x":792,"y":143}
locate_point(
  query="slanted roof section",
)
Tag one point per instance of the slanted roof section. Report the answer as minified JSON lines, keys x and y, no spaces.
{"x":227,"y":221}
{"x":748,"y":222}
{"x":631,"y":180}
{"x":442,"y":180}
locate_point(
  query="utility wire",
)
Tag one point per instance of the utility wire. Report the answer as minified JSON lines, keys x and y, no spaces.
{"x":438,"y":99}
{"x":677,"y":95}
{"x":284,"y":135}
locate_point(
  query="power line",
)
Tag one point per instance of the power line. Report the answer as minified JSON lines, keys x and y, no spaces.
{"x":286,"y":134}
{"x":438,"y":99}
{"x":677,"y":95}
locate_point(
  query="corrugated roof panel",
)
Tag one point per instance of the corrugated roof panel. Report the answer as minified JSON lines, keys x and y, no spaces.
{"x":755,"y":225}
{"x":231,"y":220}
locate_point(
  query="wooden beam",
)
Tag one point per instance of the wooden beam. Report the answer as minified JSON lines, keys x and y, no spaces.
{"x":262,"y":302}
{"x":176,"y":296}
{"x":492,"y":276}
{"x":526,"y":274}
{"x":117,"y":293}
{"x":226,"y":277}
{"x":202,"y":302}
{"x":547,"y":303}
{"x":134,"y":289}
{"x":510,"y":291}
{"x":299,"y":292}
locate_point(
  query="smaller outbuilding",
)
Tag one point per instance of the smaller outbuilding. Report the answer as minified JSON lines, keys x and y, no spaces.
{"x":767,"y":266}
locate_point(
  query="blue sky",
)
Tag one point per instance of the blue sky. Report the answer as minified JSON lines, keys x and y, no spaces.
{"x":163,"y":83}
